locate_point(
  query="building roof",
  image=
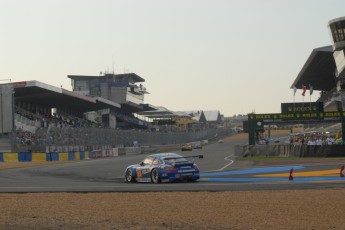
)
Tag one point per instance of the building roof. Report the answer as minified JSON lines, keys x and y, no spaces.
{"x":130,"y":77}
{"x":318,"y":70}
{"x":212,"y":115}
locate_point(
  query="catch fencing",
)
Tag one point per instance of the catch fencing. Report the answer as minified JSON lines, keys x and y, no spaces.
{"x":75,"y":139}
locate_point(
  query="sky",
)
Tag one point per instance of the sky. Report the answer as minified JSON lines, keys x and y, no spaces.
{"x":233,"y":56}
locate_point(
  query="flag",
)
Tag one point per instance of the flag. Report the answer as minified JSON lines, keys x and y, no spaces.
{"x":294,"y":90}
{"x":310,"y":89}
{"x":304,"y":90}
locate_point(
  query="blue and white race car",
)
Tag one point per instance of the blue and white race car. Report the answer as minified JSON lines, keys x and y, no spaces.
{"x":164,"y":167}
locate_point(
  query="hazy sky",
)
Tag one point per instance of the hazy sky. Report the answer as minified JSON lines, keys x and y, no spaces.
{"x":233,"y":56}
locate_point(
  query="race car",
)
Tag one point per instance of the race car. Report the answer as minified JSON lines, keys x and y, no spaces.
{"x":164,"y":167}
{"x":187,"y":147}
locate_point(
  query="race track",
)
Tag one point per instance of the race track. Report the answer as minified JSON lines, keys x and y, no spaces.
{"x":219,"y":172}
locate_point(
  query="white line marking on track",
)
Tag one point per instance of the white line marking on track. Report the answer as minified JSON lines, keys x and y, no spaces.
{"x":227,"y":159}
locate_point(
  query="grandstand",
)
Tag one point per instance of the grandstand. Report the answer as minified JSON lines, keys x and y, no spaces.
{"x":324,"y":70}
{"x":101,"y":112}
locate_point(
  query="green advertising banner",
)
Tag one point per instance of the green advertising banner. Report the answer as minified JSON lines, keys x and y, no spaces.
{"x":296,"y":116}
{"x":302,"y":107}
{"x":256,"y":121}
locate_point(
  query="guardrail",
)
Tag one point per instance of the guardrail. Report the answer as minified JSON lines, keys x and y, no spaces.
{"x":61,"y":153}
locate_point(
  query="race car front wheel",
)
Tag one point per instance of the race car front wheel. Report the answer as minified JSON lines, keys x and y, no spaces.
{"x":129,"y":176}
{"x":155,"y":176}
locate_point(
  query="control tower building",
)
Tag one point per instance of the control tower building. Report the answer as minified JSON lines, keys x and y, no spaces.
{"x":337,"y":32}
{"x":125,"y":89}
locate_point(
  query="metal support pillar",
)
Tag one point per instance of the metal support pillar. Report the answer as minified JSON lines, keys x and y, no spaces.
{"x":251,"y":129}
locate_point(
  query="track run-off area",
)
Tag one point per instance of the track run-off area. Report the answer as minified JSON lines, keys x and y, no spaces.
{"x":220,"y":171}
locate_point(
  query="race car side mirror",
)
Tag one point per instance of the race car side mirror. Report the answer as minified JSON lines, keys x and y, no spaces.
{"x":142,"y":164}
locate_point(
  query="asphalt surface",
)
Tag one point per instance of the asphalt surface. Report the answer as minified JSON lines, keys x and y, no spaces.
{"x":220,"y":171}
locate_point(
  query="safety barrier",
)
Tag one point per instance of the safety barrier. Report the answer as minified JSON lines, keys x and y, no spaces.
{"x":10,"y":157}
{"x":48,"y":156}
{"x":133,"y":150}
{"x":53,"y":154}
{"x":115,"y":152}
{"x":24,"y":156}
{"x":39,"y":157}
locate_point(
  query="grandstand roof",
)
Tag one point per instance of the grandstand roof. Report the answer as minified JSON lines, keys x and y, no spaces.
{"x":162,"y":112}
{"x":318,"y":70}
{"x":182,"y":114}
{"x":156,"y":113}
{"x":132,"y":77}
{"x":137,"y":108}
{"x":39,"y":93}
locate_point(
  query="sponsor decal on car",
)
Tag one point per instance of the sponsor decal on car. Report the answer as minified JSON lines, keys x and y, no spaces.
{"x":187,"y":170}
{"x":142,"y":172}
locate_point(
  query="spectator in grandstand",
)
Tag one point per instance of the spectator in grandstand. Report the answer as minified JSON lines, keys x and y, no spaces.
{"x":310,"y":142}
{"x":329,"y":141}
{"x":319,"y":141}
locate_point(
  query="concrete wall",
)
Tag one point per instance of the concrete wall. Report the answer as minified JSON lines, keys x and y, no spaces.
{"x":5,"y":143}
{"x":118,"y":94}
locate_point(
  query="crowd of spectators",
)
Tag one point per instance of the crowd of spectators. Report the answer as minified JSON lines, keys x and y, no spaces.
{"x":129,"y":118}
{"x":57,"y":120}
{"x":25,"y":137}
{"x":315,"y":138}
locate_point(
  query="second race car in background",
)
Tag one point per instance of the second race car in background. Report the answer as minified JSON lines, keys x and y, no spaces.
{"x":187,"y":147}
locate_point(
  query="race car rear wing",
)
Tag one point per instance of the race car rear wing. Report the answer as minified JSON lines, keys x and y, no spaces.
{"x":195,"y":156}
{"x":182,"y":157}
